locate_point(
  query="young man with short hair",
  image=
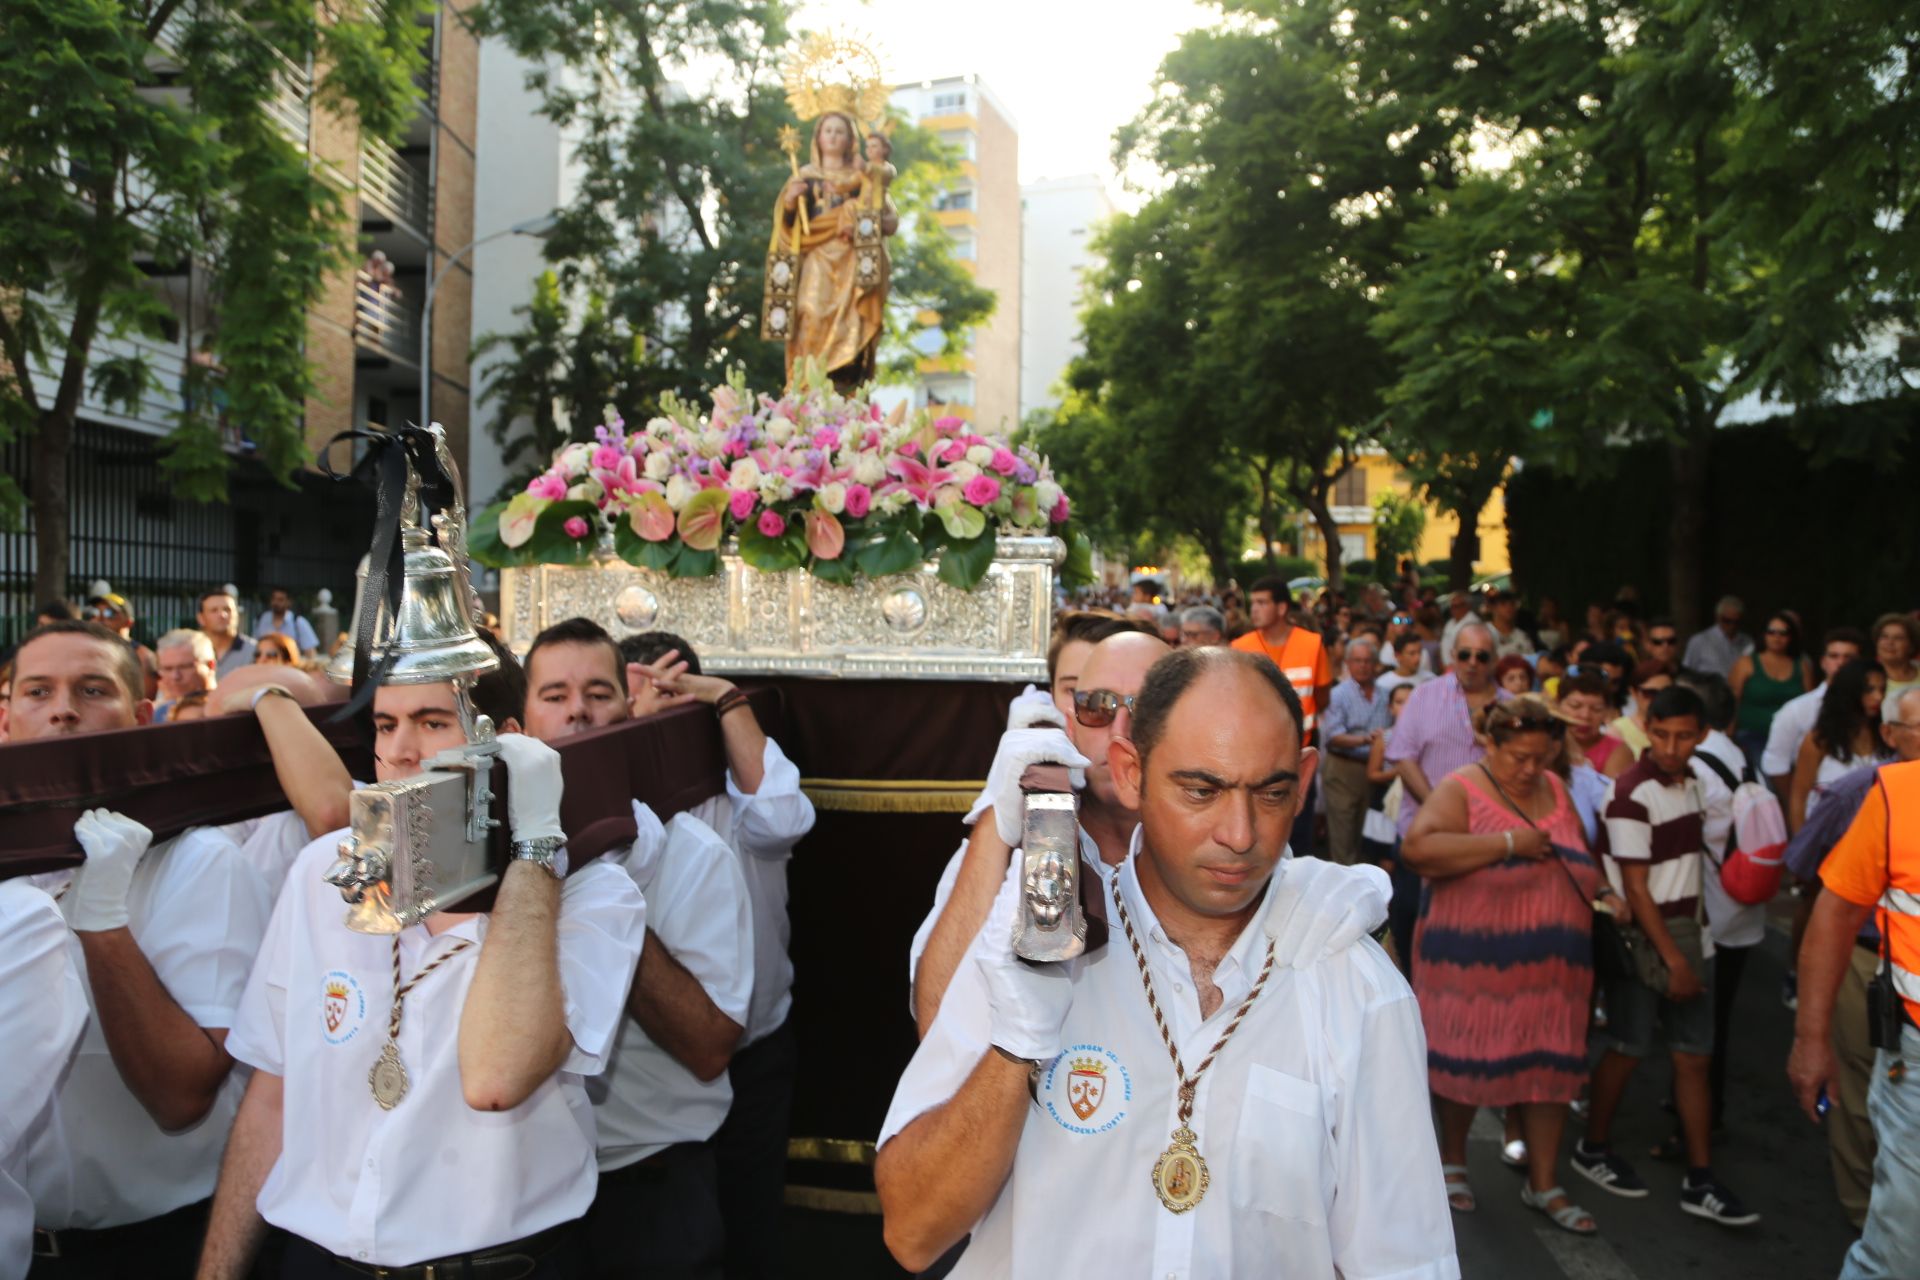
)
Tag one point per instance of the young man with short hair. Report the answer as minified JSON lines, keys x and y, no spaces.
{"x":1302,"y":659}
{"x":167,"y":930}
{"x":1655,"y":847}
{"x":1409,"y":663}
{"x":280,"y":619}
{"x":219,"y":618}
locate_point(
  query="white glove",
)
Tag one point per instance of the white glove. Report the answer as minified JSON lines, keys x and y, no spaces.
{"x":114,"y":844}
{"x":1034,"y":707}
{"x":1323,"y":908}
{"x":533,"y":791}
{"x":1028,"y":1002}
{"x":1019,"y":748}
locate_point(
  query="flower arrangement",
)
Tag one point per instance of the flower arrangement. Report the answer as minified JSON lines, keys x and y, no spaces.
{"x":810,"y":479}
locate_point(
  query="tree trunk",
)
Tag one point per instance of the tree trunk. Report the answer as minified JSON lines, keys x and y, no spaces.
{"x":1267,"y":531}
{"x":1688,"y":462}
{"x":52,"y":441}
{"x":1316,"y":505}
{"x":1465,"y":551}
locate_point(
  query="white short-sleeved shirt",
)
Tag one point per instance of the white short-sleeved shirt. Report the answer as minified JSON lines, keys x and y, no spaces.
{"x":697,"y":908}
{"x":1314,"y":1121}
{"x":762,"y":829}
{"x":197,"y":912}
{"x":43,"y":1008}
{"x":1731,"y":923}
{"x":1791,"y":725}
{"x":271,"y":844}
{"x":432,"y":1176}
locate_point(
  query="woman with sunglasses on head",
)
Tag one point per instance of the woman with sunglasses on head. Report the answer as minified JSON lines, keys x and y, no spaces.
{"x":1845,"y":736}
{"x":1503,"y":997}
{"x":1766,"y":680}
{"x":276,"y":648}
{"x":1647,"y":679}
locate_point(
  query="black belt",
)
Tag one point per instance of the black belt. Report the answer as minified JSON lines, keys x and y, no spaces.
{"x":500,"y":1260}
{"x":79,"y":1243}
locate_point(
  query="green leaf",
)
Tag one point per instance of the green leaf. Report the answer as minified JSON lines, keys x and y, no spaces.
{"x":636,"y":550}
{"x":694,"y":564}
{"x":838,"y":571}
{"x":552,"y":544}
{"x":896,"y":552}
{"x":772,"y":555}
{"x":1077,"y":571}
{"x":964,"y":563}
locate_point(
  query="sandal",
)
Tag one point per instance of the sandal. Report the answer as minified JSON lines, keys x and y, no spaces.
{"x":1459,"y":1191}
{"x":1569,"y":1217}
{"x":1514,"y":1154}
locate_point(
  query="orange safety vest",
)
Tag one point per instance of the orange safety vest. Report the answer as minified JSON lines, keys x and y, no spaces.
{"x":1900,"y":904}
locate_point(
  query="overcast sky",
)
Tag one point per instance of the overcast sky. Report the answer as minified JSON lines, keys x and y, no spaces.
{"x":1070,"y":71}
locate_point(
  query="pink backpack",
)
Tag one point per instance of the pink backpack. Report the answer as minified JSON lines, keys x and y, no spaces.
{"x":1757,"y":845}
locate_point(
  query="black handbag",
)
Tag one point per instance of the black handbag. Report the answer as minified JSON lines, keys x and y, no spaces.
{"x":1612,"y":957}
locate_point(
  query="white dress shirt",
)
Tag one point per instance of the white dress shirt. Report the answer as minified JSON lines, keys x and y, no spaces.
{"x":697,"y":908}
{"x":762,"y":829}
{"x":43,"y":1006}
{"x":271,"y":844}
{"x":197,"y":911}
{"x":1313,"y":1121}
{"x":432,"y":1176}
{"x":1791,"y":725}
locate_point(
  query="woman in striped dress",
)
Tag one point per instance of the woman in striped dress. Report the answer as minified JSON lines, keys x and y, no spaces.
{"x":1505,"y":967}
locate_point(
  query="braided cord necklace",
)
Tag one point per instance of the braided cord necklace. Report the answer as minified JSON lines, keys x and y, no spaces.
{"x":388,"y":1078}
{"x":1180,"y":1175}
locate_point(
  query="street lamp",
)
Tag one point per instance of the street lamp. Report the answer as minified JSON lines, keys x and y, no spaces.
{"x":541,"y":226}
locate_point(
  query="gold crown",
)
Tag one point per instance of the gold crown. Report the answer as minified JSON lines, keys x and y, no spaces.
{"x":831,"y":72}
{"x":1096,"y":1066}
{"x":338,"y":990}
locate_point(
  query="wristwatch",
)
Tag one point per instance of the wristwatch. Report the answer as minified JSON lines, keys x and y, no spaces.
{"x":541,"y":851}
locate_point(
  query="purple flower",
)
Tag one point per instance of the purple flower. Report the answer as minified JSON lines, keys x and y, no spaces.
{"x":771,"y":525}
{"x":576,"y":527}
{"x":1025,"y":474}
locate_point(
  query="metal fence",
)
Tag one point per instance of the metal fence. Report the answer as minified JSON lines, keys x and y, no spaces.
{"x":160,"y":551}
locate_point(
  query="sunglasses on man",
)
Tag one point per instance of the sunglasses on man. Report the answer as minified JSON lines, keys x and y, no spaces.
{"x":1096,"y":708}
{"x":1482,"y":656}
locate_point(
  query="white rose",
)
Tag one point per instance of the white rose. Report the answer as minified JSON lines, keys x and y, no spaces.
{"x":869,"y":470}
{"x":745,"y":475}
{"x":575,"y":459}
{"x":775,"y":487}
{"x":710,"y":442}
{"x":979,"y":456}
{"x":895,"y":501}
{"x":662,"y":427}
{"x":964,"y":471}
{"x":780,"y":428}
{"x":658,"y":464}
{"x":679,"y":491}
{"x":1046,"y":495}
{"x":833,"y":498}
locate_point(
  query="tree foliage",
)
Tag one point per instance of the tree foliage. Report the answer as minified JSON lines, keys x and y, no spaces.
{"x":137,"y":140}
{"x":674,"y":108}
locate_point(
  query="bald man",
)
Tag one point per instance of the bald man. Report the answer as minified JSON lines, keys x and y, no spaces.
{"x":1102,"y":710}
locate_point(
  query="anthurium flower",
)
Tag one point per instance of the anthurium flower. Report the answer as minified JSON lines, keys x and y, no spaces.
{"x":652,"y":518}
{"x":703,"y":519}
{"x":825,"y":537}
{"x":961,"y":520}
{"x":519,"y":517}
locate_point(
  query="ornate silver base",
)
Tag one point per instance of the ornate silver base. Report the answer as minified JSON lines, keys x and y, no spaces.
{"x":742,"y":621}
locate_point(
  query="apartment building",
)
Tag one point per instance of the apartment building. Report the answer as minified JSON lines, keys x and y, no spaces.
{"x":1060,"y":217}
{"x":411,"y":202}
{"x":981,"y":214}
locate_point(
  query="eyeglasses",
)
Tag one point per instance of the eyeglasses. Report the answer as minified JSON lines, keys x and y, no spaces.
{"x":1778,"y":631}
{"x":1663,"y":641}
{"x":1096,"y":708}
{"x":1473,"y":655}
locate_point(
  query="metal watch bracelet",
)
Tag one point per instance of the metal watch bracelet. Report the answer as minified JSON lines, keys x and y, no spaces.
{"x":540,"y":850}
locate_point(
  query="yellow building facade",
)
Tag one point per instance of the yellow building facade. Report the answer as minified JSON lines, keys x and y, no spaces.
{"x":1374,"y":474}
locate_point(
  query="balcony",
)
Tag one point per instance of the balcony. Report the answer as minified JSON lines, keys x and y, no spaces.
{"x":157,"y":408}
{"x":394,"y":187}
{"x":385,"y":320}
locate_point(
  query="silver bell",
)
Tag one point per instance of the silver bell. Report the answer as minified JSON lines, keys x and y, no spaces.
{"x":435,"y":639}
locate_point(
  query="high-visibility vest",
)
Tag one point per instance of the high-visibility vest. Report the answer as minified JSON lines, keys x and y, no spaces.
{"x":1900,"y":904}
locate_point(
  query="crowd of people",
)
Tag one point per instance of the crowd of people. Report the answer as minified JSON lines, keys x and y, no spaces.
{"x":1362,"y":865}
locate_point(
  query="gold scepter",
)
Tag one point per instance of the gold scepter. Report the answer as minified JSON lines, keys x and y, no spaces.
{"x":790,"y":143}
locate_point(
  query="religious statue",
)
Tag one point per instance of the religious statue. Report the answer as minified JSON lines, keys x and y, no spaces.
{"x":828,"y":270}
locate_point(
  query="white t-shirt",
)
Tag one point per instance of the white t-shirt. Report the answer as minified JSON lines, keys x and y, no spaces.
{"x":197,"y":911}
{"x":1313,"y":1121}
{"x":762,"y":829}
{"x":1731,"y":923}
{"x":43,"y":1006}
{"x":1791,"y":725}
{"x":432,"y":1176}
{"x":697,"y":908}
{"x":1393,"y":679}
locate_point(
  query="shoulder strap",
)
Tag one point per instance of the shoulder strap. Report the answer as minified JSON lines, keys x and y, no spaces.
{"x":1719,"y":768}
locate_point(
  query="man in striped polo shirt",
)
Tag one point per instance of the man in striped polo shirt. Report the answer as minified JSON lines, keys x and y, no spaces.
{"x":1655,"y":845}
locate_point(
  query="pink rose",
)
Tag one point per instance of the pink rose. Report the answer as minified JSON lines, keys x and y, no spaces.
{"x":982,"y":490}
{"x":825,"y":538}
{"x":953,"y":452}
{"x":576,"y":527}
{"x":605,"y":457}
{"x":859,"y":500}
{"x":948,"y":424}
{"x":771,"y":525}
{"x":549,"y":486}
{"x":826,"y":438}
{"x":1061,"y":510}
{"x":1004,"y":462}
{"x":741,"y":504}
